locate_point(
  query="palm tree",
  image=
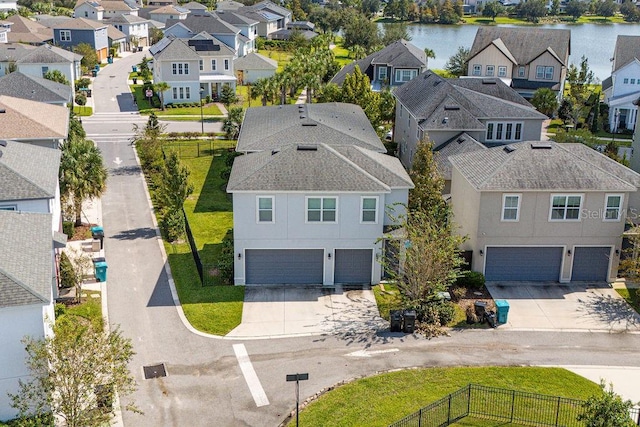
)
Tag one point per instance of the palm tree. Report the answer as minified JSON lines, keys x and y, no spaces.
{"x":430,"y":53}
{"x":82,"y":173}
{"x":161,"y":88}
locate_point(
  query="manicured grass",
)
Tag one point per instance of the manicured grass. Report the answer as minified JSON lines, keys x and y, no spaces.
{"x":631,"y":296}
{"x":212,"y":309}
{"x":479,"y":422}
{"x":384,"y":399}
{"x":482,"y":20}
{"x":618,"y":136}
{"x":188,"y":118}
{"x":141,"y":100}
{"x":207,"y":110}
{"x":82,"y":110}
{"x":282,"y":57}
{"x":342,"y":55}
{"x":90,"y":308}
{"x":387,"y":298}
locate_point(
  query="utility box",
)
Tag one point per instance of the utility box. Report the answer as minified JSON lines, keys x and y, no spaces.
{"x":95,"y":245}
{"x":101,"y":271}
{"x":395,"y":317}
{"x":409,"y":321}
{"x":502,"y":308}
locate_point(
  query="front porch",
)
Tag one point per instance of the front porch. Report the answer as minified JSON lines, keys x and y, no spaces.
{"x":211,"y":84}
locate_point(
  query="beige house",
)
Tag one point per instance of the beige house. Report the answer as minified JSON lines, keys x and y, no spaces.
{"x":527,"y":59}
{"x":541,"y":211}
{"x":33,"y":122}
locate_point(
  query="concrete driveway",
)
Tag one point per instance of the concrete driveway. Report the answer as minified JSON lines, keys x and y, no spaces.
{"x":294,"y":311}
{"x":569,"y":307}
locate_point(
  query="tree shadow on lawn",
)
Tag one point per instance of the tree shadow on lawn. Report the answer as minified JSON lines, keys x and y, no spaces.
{"x":213,"y":196}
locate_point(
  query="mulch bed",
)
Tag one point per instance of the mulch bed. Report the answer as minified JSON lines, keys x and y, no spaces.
{"x":81,"y":232}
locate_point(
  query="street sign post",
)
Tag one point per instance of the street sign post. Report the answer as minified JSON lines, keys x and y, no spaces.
{"x":297,"y":378}
{"x":149,"y":94}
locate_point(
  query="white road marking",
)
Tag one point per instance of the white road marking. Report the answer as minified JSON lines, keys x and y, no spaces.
{"x":117,"y":161}
{"x":366,"y":353}
{"x":250,"y":376}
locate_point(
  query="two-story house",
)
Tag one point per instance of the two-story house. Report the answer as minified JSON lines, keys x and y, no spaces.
{"x":20,"y":85}
{"x":133,"y":27}
{"x":37,"y":60}
{"x":542,"y":211}
{"x":82,"y":30}
{"x":211,"y":24}
{"x":90,"y":9}
{"x":622,"y":88}
{"x":33,"y":122}
{"x":248,"y":30}
{"x":269,"y":16}
{"x":485,"y":110}
{"x":525,"y":58}
{"x":166,"y":13}
{"x":24,"y":30}
{"x":310,"y":195}
{"x":392,"y":66}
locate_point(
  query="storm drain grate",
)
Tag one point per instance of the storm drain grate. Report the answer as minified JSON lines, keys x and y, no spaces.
{"x":154,"y":371}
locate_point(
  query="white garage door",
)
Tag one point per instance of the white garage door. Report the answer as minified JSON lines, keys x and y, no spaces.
{"x":284,"y":266}
{"x":536,"y":264}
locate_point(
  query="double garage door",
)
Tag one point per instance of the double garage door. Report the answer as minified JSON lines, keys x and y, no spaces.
{"x":540,"y":264}
{"x":305,"y":266}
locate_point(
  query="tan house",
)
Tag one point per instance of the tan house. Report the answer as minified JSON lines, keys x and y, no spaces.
{"x":542,"y":211}
{"x":33,"y":122}
{"x":527,"y":59}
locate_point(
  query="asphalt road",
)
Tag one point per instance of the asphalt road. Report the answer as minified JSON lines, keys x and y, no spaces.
{"x":205,"y":385}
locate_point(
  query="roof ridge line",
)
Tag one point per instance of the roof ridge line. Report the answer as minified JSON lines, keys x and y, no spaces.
{"x":368,"y":153}
{"x":355,"y":166}
{"x":23,"y":285}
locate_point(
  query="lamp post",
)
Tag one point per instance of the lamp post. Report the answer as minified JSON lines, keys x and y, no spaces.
{"x":297,"y":378}
{"x":201,"y":113}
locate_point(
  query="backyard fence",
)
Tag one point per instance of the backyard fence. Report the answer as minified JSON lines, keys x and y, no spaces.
{"x":204,"y":270}
{"x":500,"y":405}
{"x":198,"y":148}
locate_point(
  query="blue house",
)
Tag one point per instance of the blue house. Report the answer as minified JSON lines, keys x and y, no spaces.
{"x":73,"y":32}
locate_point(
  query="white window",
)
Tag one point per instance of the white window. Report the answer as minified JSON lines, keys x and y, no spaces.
{"x":510,"y":207}
{"x":175,"y":93}
{"x":521,"y":71}
{"x":180,"y":68}
{"x":187,"y":92}
{"x":322,"y":209}
{"x":613,"y":207}
{"x":633,"y":81}
{"x":214,"y":65}
{"x":502,"y":71}
{"x":265,"y":209}
{"x":226,"y":64}
{"x":45,"y":70}
{"x":497,"y":131}
{"x":382,"y":73}
{"x":65,"y":35}
{"x":565,"y":207}
{"x":490,"y":70}
{"x":477,"y":69}
{"x":489,"y":132}
{"x":369,"y":209}
{"x":181,"y":92}
{"x":544,"y":73}
{"x":405,"y":75}
{"x":201,"y":63}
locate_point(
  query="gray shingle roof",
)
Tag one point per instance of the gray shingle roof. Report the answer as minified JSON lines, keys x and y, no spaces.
{"x":14,"y":51}
{"x":80,"y":24}
{"x":25,"y":119}
{"x":269,"y":128}
{"x":235,"y":18}
{"x":324,"y":168}
{"x":525,"y":44}
{"x":176,"y":49}
{"x":400,"y":54}
{"x":47,"y":54}
{"x":208,"y":23}
{"x":26,"y":267}
{"x":459,"y":144}
{"x":115,"y":34}
{"x":627,"y":50}
{"x":28,"y":172}
{"x":254,"y":61}
{"x":34,"y":88}
{"x":271,"y":7}
{"x":25,"y":30}
{"x":127,"y":19}
{"x":543,"y":165}
{"x":194,"y":5}
{"x":458,"y":104}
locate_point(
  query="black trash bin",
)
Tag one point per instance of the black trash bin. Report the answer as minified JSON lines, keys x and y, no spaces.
{"x":395,"y":317}
{"x":409,"y":324}
{"x":97,"y":233}
{"x":481,"y":308}
{"x":491,"y":319}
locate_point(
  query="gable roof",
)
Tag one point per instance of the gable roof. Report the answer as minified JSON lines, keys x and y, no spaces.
{"x":207,"y":22}
{"x":319,"y":167}
{"x":228,"y":5}
{"x":14,"y":51}
{"x":271,"y":7}
{"x":80,"y":24}
{"x":116,"y":5}
{"x":194,"y":5}
{"x":28,"y":171}
{"x":115,"y":34}
{"x":168,"y":10}
{"x":48,"y":54}
{"x":274,"y":127}
{"x":544,"y":165}
{"x":34,"y":88}
{"x":213,"y":46}
{"x":235,"y":18}
{"x":127,"y":19}
{"x":459,"y":144}
{"x":25,"y":119}
{"x":93,"y":3}
{"x":26,"y":268}
{"x":627,"y":50}
{"x":175,"y":49}
{"x":400,"y":54}
{"x":254,"y":61}
{"x":459,"y":104}
{"x":524,"y":44}
{"x":27,"y":31}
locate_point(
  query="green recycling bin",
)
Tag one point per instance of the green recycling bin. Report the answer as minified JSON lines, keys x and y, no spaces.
{"x":101,"y":271}
{"x":502,"y":307}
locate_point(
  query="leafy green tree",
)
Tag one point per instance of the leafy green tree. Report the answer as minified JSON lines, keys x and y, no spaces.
{"x":228,"y":96}
{"x":395,"y":32}
{"x":576,"y":8}
{"x":555,"y":7}
{"x":531,"y":10}
{"x":330,"y":92}
{"x":607,"y":409}
{"x":144,"y":70}
{"x":545,"y":101}
{"x":155,"y":35}
{"x":448,"y":14}
{"x":75,"y":373}
{"x":580,"y":83}
{"x":457,"y":64}
{"x":56,"y":76}
{"x":89,"y":56}
{"x":430,"y":53}
{"x":606,"y":8}
{"x":630,"y":11}
{"x":82,"y":174}
{"x":492,"y":9}
{"x":233,"y":122}
{"x":362,"y":32}
{"x":370,"y":7}
{"x":296,"y":11}
{"x":170,"y":195}
{"x":595,"y":117}
{"x":356,"y":89}
{"x":458,"y":8}
{"x":426,"y":196}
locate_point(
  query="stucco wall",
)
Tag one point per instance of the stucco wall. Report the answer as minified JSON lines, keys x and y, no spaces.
{"x":491,"y":55}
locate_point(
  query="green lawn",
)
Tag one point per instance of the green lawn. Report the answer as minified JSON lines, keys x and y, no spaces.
{"x":82,"y":110}
{"x":631,"y":296}
{"x":90,"y":308}
{"x":479,"y":422}
{"x":282,"y":57}
{"x":207,"y":110}
{"x":387,"y":298}
{"x":383,"y":399}
{"x":342,"y":55}
{"x":212,"y":309}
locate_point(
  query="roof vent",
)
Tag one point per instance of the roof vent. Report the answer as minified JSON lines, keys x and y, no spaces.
{"x":308,"y":147}
{"x":461,"y":140}
{"x":451,"y":107}
{"x":274,"y":152}
{"x":309,"y":123}
{"x":2,"y":111}
{"x":445,"y":120}
{"x":436,"y":83}
{"x":540,"y":146}
{"x":3,"y":142}
{"x":488,"y":82}
{"x":509,"y":148}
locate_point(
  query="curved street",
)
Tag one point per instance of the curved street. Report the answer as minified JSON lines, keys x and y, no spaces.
{"x":206,"y":384}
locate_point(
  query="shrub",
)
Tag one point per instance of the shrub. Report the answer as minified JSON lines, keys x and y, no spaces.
{"x":68,"y":276}
{"x":225,"y":260}
{"x":471,"y":280}
{"x":80,"y":99}
{"x":437,"y":313}
{"x":68,"y":228}
{"x":172,"y":224}
{"x":457,"y":292}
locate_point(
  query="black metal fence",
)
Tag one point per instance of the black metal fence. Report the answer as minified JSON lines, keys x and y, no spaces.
{"x":198,"y":148}
{"x":500,"y":405}
{"x":194,"y":248}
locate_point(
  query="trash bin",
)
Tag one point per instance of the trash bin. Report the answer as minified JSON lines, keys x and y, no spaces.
{"x":94,"y":73}
{"x":395,"y":317}
{"x":502,"y":308}
{"x":88,"y":91}
{"x":490,"y":317}
{"x":134,"y":69}
{"x":409,"y":323}
{"x":101,"y":271}
{"x":97,"y":233}
{"x":481,"y":309}
{"x":110,"y":60}
{"x":135,"y":80}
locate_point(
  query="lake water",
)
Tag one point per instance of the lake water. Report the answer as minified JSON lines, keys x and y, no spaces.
{"x":595,"y":41}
